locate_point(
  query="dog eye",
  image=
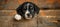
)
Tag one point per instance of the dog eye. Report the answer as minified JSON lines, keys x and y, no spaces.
{"x":31,"y":7}
{"x":25,"y":7}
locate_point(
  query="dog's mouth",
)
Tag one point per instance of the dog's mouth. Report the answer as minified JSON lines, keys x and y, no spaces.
{"x":28,"y":16}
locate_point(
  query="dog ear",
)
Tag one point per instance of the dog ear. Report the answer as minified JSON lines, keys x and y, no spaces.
{"x":18,"y":10}
{"x":37,"y":9}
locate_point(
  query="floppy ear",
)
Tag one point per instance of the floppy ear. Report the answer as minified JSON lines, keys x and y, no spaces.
{"x":37,"y":9}
{"x":18,"y":16}
{"x":18,"y":10}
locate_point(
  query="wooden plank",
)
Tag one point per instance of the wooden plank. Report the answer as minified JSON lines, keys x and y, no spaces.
{"x":13,"y":4}
{"x":46,"y":22}
{"x":50,"y":12}
{"x":9,"y":4}
{"x":8,"y":21}
{"x":7,"y":12}
{"x":43,"y":12}
{"x":48,"y":18}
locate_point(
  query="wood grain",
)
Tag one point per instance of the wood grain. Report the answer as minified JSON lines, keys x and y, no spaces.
{"x":13,"y":4}
{"x":46,"y":18}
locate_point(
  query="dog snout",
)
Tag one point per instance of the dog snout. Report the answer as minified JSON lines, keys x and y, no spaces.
{"x":28,"y":15}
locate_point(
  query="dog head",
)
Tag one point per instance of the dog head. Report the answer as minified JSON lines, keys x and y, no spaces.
{"x":27,"y":10}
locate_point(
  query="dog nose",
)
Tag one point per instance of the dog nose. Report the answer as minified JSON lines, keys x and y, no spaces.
{"x":28,"y":15}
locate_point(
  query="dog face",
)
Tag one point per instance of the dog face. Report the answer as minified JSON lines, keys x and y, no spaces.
{"x":27,"y":10}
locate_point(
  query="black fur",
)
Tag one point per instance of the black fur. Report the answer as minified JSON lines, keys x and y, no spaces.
{"x":21,"y":10}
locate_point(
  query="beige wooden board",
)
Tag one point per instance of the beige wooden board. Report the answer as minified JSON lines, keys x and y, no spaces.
{"x":13,"y":4}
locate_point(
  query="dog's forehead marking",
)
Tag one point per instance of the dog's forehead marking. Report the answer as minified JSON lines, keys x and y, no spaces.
{"x":28,"y":4}
{"x":27,"y":9}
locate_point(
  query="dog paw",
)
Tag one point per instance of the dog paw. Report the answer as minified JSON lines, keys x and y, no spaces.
{"x":17,"y":17}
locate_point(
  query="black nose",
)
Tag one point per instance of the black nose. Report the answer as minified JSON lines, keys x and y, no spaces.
{"x":28,"y":15}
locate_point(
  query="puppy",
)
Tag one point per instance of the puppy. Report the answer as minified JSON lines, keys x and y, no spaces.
{"x":27,"y":10}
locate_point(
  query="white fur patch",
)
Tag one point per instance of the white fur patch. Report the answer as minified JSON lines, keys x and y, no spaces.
{"x":27,"y":16}
{"x":27,"y":12}
{"x":17,"y":17}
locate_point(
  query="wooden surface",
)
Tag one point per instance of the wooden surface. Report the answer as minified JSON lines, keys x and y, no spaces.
{"x":46,"y":18}
{"x":6,"y":20}
{"x":13,"y":4}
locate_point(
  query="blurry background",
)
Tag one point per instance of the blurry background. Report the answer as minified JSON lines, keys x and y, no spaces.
{"x":49,"y":15}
